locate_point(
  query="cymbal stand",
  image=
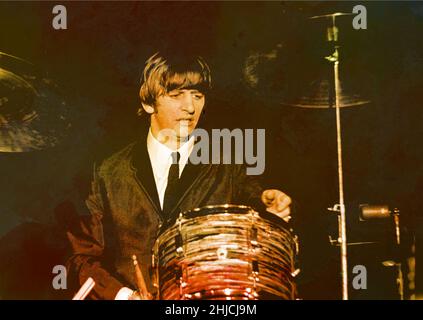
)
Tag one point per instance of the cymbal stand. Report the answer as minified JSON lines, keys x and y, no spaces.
{"x":332,"y":36}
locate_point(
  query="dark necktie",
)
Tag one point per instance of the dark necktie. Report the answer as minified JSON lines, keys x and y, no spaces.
{"x":172,"y":180}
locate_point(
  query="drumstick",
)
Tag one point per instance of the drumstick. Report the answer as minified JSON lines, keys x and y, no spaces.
{"x":142,"y":287}
{"x":85,"y":289}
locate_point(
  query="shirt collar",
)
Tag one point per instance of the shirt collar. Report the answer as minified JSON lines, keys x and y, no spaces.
{"x":161,"y":155}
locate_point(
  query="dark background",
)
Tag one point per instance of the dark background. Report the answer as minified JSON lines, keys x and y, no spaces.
{"x":97,"y":63}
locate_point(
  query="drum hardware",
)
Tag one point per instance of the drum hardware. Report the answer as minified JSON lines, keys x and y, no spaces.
{"x":180,"y":277}
{"x":296,"y":242}
{"x":336,"y":242}
{"x":155,"y":266}
{"x":178,"y":237}
{"x":296,"y":272}
{"x":178,"y":243}
{"x":253,"y":236}
{"x":370,"y":212}
{"x":332,"y":33}
{"x":253,"y":247}
{"x":181,"y":281}
{"x":382,"y":212}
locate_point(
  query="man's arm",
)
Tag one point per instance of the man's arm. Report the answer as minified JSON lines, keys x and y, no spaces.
{"x":86,"y":237}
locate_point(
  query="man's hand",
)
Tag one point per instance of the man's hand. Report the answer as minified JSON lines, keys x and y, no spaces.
{"x":277,"y":203}
{"x":129,"y":294}
{"x":136,"y":295}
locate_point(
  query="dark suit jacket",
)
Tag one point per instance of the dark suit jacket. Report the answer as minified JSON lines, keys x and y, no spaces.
{"x":125,"y":214}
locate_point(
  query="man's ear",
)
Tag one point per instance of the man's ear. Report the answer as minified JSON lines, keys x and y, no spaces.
{"x":148,"y":108}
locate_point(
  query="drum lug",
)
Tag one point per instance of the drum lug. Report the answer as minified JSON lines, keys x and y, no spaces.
{"x":255,"y":267}
{"x":255,"y":274}
{"x":178,"y":238}
{"x":297,"y":244}
{"x":178,"y":273}
{"x":181,"y":280}
{"x":295,"y":273}
{"x":179,"y":245}
{"x":253,"y":236}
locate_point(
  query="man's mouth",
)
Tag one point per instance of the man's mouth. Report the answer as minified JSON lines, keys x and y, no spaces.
{"x":185,"y":122}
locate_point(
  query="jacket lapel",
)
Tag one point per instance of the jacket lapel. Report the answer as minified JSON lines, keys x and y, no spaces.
{"x":145,"y":176}
{"x":144,"y":173}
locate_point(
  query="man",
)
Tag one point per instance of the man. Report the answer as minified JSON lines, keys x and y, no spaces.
{"x":150,"y":181}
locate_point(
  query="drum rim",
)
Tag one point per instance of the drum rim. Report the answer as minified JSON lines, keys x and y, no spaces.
{"x":214,"y":209}
{"x":189,"y":214}
{"x":216,"y":206}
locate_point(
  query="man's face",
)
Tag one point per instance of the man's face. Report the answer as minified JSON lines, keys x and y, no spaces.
{"x":178,"y":111}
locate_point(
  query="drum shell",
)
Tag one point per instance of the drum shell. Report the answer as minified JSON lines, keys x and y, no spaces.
{"x":224,"y":252}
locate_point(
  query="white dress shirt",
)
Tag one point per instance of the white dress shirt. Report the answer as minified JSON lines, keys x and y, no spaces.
{"x":161,"y":160}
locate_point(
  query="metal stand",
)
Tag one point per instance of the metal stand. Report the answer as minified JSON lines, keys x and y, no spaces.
{"x":332,"y":37}
{"x":342,"y":239}
{"x":400,"y":276}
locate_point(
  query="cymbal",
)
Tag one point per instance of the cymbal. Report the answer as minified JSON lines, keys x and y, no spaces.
{"x":299,"y":76}
{"x":33,"y":112}
{"x":331,"y":15}
{"x":320,"y":94}
{"x":301,"y":84}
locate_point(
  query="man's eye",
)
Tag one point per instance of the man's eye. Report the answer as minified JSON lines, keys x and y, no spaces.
{"x":198,"y":96}
{"x":174,"y":94}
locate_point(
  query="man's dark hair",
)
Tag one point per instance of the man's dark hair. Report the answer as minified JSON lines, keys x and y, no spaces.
{"x":164,"y":74}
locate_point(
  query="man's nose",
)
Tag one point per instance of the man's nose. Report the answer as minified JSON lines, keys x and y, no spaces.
{"x":188,"y":104}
